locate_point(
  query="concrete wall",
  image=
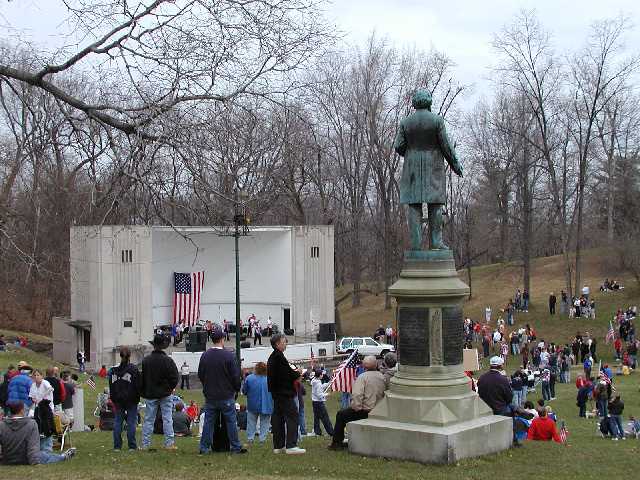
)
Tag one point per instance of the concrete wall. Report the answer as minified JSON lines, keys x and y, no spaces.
{"x":313,"y":278}
{"x":65,"y":341}
{"x":111,"y":287}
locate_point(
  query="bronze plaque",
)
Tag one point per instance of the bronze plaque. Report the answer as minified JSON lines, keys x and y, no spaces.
{"x":413,"y":336}
{"x":452,"y":333}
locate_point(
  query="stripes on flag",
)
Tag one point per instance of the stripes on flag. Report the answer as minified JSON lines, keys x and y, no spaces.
{"x":564,"y":433}
{"x":605,"y":378}
{"x":186,"y":301}
{"x":611,"y":334}
{"x":91,"y":383}
{"x":345,"y":374}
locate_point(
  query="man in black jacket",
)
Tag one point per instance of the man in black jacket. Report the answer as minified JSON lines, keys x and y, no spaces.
{"x":123,"y":391}
{"x":158,"y":381}
{"x":220,"y":376}
{"x":280,"y":379}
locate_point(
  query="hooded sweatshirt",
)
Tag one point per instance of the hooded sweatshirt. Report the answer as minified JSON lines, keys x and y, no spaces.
{"x":20,"y":441}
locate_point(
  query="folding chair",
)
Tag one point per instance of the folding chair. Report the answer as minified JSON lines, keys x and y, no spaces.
{"x":62,"y":431}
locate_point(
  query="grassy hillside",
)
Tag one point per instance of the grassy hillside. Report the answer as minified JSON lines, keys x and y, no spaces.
{"x":494,"y":285}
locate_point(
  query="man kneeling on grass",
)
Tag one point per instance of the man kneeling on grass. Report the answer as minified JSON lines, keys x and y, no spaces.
{"x":20,"y":440}
{"x":368,"y":390}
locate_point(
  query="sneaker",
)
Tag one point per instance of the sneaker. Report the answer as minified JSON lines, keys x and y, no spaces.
{"x":295,"y":451}
{"x":615,"y":439}
{"x":171,"y":447}
{"x":279,"y":450}
{"x":311,"y":434}
{"x":69,"y":454}
{"x":241,"y":451}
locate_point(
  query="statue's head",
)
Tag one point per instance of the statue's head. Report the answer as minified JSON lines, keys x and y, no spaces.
{"x":421,"y":99}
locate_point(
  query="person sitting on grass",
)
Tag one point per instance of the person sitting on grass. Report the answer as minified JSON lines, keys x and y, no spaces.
{"x":181,"y":422}
{"x":543,"y":428}
{"x":20,"y":440}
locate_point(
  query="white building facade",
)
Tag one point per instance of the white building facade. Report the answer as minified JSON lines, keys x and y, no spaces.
{"x":122,"y":283}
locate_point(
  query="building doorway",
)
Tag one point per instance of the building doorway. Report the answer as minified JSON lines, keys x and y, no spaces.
{"x":287,"y":320}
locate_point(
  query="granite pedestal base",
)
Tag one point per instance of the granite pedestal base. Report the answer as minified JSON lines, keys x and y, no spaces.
{"x":428,"y":443}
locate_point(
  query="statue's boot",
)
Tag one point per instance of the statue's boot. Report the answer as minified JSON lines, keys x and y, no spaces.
{"x":435,"y":227}
{"x":415,"y":226}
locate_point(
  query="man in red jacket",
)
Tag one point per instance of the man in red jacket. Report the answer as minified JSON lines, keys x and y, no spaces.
{"x":543,"y":428}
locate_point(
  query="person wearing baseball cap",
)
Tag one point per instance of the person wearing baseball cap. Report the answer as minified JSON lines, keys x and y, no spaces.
{"x":219,"y":373}
{"x":495,"y":390}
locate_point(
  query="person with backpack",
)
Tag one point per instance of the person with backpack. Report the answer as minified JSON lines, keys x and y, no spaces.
{"x":123,"y":391}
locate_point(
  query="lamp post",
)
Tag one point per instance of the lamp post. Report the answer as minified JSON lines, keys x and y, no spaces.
{"x":239,"y":220}
{"x":240,"y":229}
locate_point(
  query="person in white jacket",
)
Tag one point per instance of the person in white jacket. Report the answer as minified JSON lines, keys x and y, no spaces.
{"x":318,"y":398}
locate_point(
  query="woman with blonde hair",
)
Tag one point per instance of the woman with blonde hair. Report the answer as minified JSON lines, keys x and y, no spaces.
{"x":259,"y":403}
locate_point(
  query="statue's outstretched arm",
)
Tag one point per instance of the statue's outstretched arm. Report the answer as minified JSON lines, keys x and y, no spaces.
{"x":448,"y":150}
{"x":400,"y":144}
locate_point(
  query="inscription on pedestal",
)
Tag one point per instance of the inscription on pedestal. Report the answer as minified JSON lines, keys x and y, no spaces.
{"x":435,"y":336}
{"x":413,"y":336}
{"x":452,"y":326}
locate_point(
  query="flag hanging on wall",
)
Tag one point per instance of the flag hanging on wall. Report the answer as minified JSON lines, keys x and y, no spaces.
{"x":186,"y":301}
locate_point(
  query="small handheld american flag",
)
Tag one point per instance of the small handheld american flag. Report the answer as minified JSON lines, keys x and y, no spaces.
{"x":564,"y":433}
{"x":345,"y":374}
{"x":611,"y":334}
{"x":91,"y":383}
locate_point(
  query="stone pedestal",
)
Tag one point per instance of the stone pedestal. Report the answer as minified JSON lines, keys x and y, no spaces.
{"x":429,"y":413}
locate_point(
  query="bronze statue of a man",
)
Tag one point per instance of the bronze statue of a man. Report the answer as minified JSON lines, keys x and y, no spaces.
{"x":422,"y":141}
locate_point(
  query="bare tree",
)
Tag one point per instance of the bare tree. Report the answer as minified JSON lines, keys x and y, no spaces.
{"x":161,"y":54}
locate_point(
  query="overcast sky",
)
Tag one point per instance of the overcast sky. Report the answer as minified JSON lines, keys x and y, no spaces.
{"x":461,"y":28}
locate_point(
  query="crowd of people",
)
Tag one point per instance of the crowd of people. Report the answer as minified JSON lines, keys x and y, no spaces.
{"x":32,"y":402}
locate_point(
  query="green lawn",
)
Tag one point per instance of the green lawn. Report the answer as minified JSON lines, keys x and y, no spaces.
{"x":588,"y":456}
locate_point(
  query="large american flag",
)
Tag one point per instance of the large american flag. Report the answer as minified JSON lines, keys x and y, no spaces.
{"x":186,"y":301}
{"x":345,"y":374}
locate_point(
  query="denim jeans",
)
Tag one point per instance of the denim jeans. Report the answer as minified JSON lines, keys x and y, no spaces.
{"x":166,"y":408}
{"x":546,"y":391}
{"x":345,"y":400}
{"x":227,"y":408}
{"x":615,"y":422}
{"x":603,"y":408}
{"x":583,"y":410}
{"x":265,"y":423}
{"x":302,"y":424}
{"x":130,"y":415}
{"x":320,"y":414}
{"x":48,"y":457}
{"x":46,"y":444}
{"x":517,"y":400}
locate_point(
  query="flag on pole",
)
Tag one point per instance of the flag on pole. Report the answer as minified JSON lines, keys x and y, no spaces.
{"x":605,"y":378}
{"x":186,"y":301}
{"x":611,"y":334}
{"x":345,"y":374}
{"x":91,"y":383}
{"x":313,"y":358}
{"x":564,"y":433}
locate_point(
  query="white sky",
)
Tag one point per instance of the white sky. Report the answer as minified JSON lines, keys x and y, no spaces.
{"x":461,"y":28}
